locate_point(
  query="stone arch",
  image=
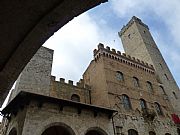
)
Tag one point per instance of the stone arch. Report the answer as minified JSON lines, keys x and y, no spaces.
{"x":132,"y":132}
{"x":57,"y":129}
{"x":95,"y":131}
{"x":131,"y":126}
{"x":13,"y":131}
{"x":152,"y":133}
{"x":75,"y":97}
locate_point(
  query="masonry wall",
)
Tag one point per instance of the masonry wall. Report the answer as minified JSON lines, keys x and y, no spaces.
{"x":36,"y":76}
{"x":131,"y":67}
{"x":16,"y":121}
{"x":133,"y":119}
{"x":159,"y":126}
{"x":65,"y":90}
{"x":138,"y":42}
{"x":50,"y":114}
{"x":94,"y":76}
{"x":127,"y":87}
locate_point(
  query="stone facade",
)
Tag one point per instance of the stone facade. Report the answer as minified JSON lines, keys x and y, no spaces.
{"x":144,"y":120}
{"x":36,"y":76}
{"x":119,"y":95}
{"x":146,"y":49}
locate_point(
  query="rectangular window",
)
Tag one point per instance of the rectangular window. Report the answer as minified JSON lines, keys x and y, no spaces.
{"x":118,"y":130}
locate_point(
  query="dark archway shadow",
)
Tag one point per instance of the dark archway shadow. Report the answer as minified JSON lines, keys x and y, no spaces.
{"x":152,"y":133}
{"x":13,"y":131}
{"x":132,"y":132}
{"x":58,"y":129}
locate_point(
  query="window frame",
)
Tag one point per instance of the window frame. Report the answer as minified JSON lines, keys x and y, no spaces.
{"x":119,"y":76}
{"x":126,"y":102}
{"x":162,"y":90}
{"x":136,"y":82}
{"x":158,"y":108}
{"x":149,"y":86}
{"x":143,"y":104}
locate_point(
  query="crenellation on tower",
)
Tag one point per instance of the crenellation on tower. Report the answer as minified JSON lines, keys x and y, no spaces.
{"x":62,"y":80}
{"x":79,"y":84}
{"x":122,"y":57}
{"x":64,"y":89}
{"x":134,"y":19}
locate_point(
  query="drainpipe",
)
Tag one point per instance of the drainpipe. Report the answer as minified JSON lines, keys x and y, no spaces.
{"x":113,"y":122}
{"x":90,"y":96}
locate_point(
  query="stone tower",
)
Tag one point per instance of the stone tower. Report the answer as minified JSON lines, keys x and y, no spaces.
{"x":36,"y":76}
{"x":138,"y":42}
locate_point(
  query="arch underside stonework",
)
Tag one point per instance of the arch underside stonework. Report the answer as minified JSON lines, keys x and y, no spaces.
{"x":63,"y":129}
{"x":60,"y":129}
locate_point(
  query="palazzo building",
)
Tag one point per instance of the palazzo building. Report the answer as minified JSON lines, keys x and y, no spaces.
{"x":131,"y":93}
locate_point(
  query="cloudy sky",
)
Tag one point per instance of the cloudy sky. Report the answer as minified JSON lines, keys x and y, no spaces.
{"x":74,"y":43}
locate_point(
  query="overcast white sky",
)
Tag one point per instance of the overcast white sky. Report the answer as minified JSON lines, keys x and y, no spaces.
{"x":74,"y":43}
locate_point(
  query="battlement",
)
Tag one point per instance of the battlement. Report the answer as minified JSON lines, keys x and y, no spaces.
{"x":67,"y":90}
{"x":122,"y":57}
{"x":133,"y":19}
{"x":70,"y":83}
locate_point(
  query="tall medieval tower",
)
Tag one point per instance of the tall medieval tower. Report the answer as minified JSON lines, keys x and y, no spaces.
{"x":138,"y":42}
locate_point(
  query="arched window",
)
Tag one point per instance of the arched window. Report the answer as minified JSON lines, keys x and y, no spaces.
{"x":136,"y":81}
{"x":152,"y":133}
{"x":175,"y":96}
{"x":132,"y":132}
{"x":158,"y":108}
{"x":75,"y":97}
{"x":126,"y":102}
{"x":119,"y":76}
{"x":143,"y":104}
{"x":149,"y":86}
{"x":162,"y":90}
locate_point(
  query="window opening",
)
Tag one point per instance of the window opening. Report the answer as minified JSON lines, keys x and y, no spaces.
{"x":175,"y":95}
{"x":132,"y":132}
{"x":158,"y":108}
{"x":136,"y":82}
{"x":119,"y":76}
{"x":126,"y":102}
{"x":75,"y":97}
{"x":166,"y":77}
{"x":149,"y":86}
{"x":143,"y":104}
{"x":162,"y":90}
